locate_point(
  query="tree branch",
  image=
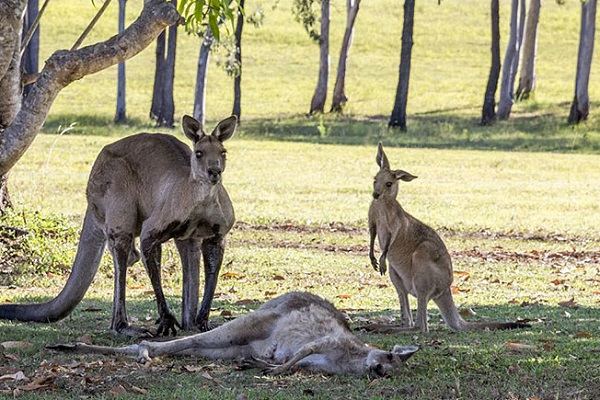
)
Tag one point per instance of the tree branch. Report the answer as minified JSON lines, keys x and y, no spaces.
{"x":66,"y":66}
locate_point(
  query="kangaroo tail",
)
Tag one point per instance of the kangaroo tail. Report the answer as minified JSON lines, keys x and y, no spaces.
{"x":453,"y":319}
{"x":85,"y":266}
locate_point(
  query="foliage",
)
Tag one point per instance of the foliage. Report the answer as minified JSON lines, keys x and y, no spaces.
{"x":199,"y":14}
{"x":305,"y":13}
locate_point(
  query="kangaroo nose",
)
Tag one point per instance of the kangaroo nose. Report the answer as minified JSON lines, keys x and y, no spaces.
{"x":375,"y":195}
{"x":214,"y":174}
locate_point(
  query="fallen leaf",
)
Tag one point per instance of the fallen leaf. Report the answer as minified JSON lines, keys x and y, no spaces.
{"x":232,"y":275}
{"x":206,"y":375}
{"x":139,"y":390}
{"x":467,"y":312}
{"x":583,"y":335}
{"x":16,"y":345}
{"x":118,"y":390}
{"x":557,"y":282}
{"x":39,"y":383}
{"x":518,"y":346}
{"x":569,"y":303}
{"x":278,"y":278}
{"x":344,"y":296}
{"x":17,"y":377}
{"x":226,"y":313}
{"x":270,"y":293}
{"x":92,"y":309}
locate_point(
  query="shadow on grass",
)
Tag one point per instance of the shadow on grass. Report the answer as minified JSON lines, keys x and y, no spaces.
{"x":532,"y":127}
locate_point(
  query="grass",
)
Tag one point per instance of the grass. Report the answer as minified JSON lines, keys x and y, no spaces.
{"x":516,"y":204}
{"x":521,"y":227}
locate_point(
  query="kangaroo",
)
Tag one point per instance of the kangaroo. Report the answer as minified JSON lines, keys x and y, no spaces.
{"x":419,"y":261}
{"x":297,"y":329}
{"x":152,"y":186}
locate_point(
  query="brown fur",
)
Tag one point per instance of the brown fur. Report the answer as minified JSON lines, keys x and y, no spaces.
{"x":297,"y":329}
{"x":150,"y":186}
{"x":420,"y":264}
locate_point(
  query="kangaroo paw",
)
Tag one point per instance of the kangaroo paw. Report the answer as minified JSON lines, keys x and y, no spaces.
{"x":166,"y":325}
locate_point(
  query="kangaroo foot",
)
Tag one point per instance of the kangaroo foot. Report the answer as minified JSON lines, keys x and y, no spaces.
{"x":166,"y":325}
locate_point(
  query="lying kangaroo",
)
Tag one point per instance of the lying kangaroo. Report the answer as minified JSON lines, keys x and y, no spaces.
{"x":295,"y":329}
{"x":154,"y":187}
{"x":419,"y":261}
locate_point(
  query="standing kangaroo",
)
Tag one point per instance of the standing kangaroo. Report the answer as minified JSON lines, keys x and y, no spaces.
{"x":419,"y":261}
{"x":154,"y":187}
{"x":295,"y":329}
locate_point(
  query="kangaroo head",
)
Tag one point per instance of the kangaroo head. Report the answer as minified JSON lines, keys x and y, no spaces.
{"x":382,"y":363}
{"x":209,"y":154}
{"x":386,"y":180}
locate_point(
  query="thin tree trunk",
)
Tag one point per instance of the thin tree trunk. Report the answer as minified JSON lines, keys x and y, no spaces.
{"x":527,"y":74}
{"x":121,"y":111}
{"x":168,"y":102}
{"x":580,"y":108}
{"x":30,"y":61}
{"x":398,"y":117}
{"x":488,"y":114}
{"x":201,"y":78}
{"x":339,"y":93}
{"x":237,"y":80}
{"x":159,"y":69}
{"x":508,"y":79}
{"x":317,"y":104}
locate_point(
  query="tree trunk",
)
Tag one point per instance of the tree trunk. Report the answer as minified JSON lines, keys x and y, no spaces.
{"x":339,"y":95}
{"x":488,"y":115}
{"x":163,"y":104}
{"x":201,"y":75}
{"x":121,"y":111}
{"x":317,"y":104}
{"x":66,"y":66}
{"x":237,"y":80}
{"x":510,"y":58}
{"x":527,"y":74}
{"x":159,"y":69}
{"x":398,"y":117}
{"x":580,"y":108}
{"x":30,"y":61}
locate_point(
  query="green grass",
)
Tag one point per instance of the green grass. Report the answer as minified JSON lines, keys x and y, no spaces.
{"x":521,"y":227}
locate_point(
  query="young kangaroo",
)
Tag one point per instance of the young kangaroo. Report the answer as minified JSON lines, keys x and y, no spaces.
{"x":295,"y":329}
{"x":152,"y":186}
{"x":419,"y":261}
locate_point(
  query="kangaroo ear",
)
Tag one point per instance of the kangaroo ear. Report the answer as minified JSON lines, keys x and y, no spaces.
{"x":192,"y":128}
{"x":225,"y":129}
{"x":405,"y":352}
{"x":381,"y":158}
{"x":404,"y":176}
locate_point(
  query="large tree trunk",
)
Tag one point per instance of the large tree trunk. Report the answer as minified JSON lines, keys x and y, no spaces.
{"x":163,"y":104}
{"x":121,"y":111}
{"x":580,"y":108}
{"x":61,"y":69}
{"x":527,"y":74}
{"x":237,"y":80}
{"x":30,"y":60}
{"x":488,"y":114}
{"x":398,"y":117}
{"x":201,"y":76}
{"x":317,"y":104}
{"x":510,"y":59}
{"x":339,"y":93}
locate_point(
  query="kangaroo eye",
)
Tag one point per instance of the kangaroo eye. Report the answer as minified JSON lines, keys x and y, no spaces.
{"x":199,"y":154}
{"x":388,"y":184}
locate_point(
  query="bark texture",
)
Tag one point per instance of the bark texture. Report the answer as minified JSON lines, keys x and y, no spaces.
{"x":580,"y":108}
{"x":488,"y":114}
{"x":510,"y":58}
{"x":67,"y":66}
{"x":317,"y":104}
{"x":398,"y":117}
{"x":527,"y":75}
{"x":237,"y":80}
{"x":339,"y":91}
{"x":201,"y":75}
